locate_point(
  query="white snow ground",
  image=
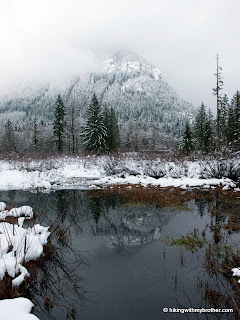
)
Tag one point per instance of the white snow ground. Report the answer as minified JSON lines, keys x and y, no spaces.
{"x":19,"y":244}
{"x":16,"y":309}
{"x":81,"y":172}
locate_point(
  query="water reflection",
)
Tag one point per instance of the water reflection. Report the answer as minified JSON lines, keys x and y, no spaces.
{"x":121,"y":241}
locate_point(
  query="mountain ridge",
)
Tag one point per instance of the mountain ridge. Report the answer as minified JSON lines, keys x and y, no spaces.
{"x":124,"y":81}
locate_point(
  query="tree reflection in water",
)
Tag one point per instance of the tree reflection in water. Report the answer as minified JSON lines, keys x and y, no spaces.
{"x":54,"y":281}
{"x":126,"y":227}
{"x":218,"y":255}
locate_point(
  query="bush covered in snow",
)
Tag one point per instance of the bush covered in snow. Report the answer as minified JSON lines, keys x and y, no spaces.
{"x":221,"y":168}
{"x":133,"y":168}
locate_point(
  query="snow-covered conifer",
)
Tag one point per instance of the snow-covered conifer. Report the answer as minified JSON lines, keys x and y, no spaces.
{"x":113,"y":140}
{"x":203,"y":130}
{"x":95,"y":132}
{"x":59,"y":124}
{"x":199,"y":127}
{"x":187,"y":144}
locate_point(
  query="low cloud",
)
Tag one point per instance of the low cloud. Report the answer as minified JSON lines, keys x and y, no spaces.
{"x":44,"y":40}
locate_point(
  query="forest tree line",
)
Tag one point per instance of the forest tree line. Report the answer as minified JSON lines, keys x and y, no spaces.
{"x":203,"y":135}
{"x":223,"y":133}
{"x":101,"y":134}
{"x":100,"y":131}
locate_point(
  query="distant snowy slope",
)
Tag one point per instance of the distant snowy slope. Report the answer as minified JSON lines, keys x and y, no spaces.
{"x":124,"y":81}
{"x":31,"y":101}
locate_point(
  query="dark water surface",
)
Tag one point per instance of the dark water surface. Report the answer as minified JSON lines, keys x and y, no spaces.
{"x":127,"y":271}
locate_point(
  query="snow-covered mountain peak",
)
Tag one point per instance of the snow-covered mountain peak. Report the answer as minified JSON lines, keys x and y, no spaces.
{"x":124,"y":62}
{"x":124,"y":81}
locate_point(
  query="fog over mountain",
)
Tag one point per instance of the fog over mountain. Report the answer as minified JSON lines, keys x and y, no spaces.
{"x":59,"y":38}
{"x":132,"y":86}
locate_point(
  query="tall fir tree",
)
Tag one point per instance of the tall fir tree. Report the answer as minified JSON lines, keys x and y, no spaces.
{"x":113,"y":140}
{"x":187,"y":144}
{"x":217,"y":93}
{"x":95,"y":132}
{"x":59,"y":124}
{"x":208,"y":133}
{"x":203,"y":130}
{"x":200,"y":127}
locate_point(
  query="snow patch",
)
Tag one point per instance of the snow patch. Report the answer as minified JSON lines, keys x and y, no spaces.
{"x":157,"y":74}
{"x":236,"y":272}
{"x":16,"y":309}
{"x":84,"y":172}
{"x":19,"y":244}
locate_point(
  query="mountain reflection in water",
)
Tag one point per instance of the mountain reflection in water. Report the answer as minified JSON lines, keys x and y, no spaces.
{"x":109,"y":260}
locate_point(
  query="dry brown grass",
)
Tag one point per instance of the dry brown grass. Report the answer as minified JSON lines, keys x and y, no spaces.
{"x":171,"y":196}
{"x":151,"y":195}
{"x":8,"y":291}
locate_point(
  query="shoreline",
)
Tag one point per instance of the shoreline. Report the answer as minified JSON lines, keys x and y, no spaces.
{"x":87,"y":173}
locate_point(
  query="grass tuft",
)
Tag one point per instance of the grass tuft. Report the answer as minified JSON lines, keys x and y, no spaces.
{"x":191,"y":241}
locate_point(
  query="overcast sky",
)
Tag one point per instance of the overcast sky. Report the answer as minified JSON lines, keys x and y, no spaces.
{"x":54,"y":39}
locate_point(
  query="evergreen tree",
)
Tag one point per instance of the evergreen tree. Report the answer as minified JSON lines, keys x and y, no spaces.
{"x":9,"y":141}
{"x":216,"y":92}
{"x":35,"y":139}
{"x":95,"y":132}
{"x":107,"y":124}
{"x":223,"y":113}
{"x":187,"y":145}
{"x":203,"y":130}
{"x":231,"y":127}
{"x":208,"y":133}
{"x":236,"y":110}
{"x":200,"y":127}
{"x":59,"y":124}
{"x":113,"y":140}
{"x":129,"y":135}
{"x":72,"y":126}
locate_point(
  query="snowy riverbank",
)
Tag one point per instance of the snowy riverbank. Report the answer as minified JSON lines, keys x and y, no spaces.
{"x":18,"y":244}
{"x":93,"y":171}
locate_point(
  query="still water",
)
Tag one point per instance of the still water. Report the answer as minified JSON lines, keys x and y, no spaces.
{"x":111,"y":259}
